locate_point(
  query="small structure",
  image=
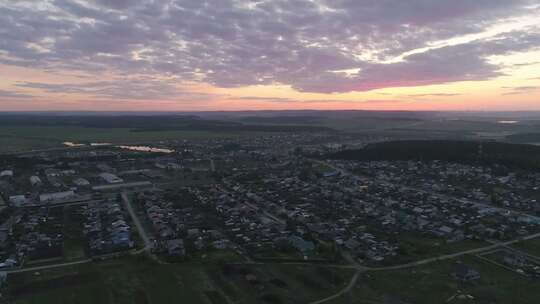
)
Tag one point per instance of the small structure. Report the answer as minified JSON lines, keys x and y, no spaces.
{"x":176,"y":247}
{"x":35,"y":181}
{"x":18,"y":200}
{"x":6,"y":173}
{"x":111,"y":178}
{"x":515,"y":260}
{"x":465,"y":273}
{"x":301,"y":245}
{"x":81,"y":182}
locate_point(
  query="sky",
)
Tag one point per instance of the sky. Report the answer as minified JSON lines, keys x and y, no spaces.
{"x":197,"y":55}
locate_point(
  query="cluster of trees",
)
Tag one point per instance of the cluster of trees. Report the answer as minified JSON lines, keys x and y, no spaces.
{"x":488,"y":153}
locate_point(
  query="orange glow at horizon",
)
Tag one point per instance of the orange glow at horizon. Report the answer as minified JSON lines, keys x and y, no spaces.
{"x":495,"y":94}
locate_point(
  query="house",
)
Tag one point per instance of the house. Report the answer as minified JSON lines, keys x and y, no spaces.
{"x":465,"y":273}
{"x":176,"y":247}
{"x":18,"y":200}
{"x":111,"y":178}
{"x":8,"y":263}
{"x":81,"y":182}
{"x":6,"y":173}
{"x":300,"y":244}
{"x":445,"y":230}
{"x":50,"y":172}
{"x":35,"y":181}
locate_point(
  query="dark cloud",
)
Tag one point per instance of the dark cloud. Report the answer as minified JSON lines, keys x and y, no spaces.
{"x":136,"y":89}
{"x":462,"y":62}
{"x":14,"y":95}
{"x":230,"y":43}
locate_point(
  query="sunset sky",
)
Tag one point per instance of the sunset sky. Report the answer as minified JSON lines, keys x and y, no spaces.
{"x":186,"y":55}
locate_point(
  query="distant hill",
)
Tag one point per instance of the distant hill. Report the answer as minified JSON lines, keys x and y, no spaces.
{"x":514,"y":155}
{"x":288,"y":120}
{"x":154,"y":123}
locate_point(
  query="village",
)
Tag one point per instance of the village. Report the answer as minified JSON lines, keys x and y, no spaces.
{"x":266,"y":201}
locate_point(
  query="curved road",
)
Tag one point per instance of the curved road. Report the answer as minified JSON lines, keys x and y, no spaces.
{"x":344,"y":291}
{"x":37,"y":268}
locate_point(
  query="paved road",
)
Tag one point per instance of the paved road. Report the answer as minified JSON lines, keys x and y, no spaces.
{"x":37,"y":268}
{"x":137,"y":222}
{"x":457,"y":254}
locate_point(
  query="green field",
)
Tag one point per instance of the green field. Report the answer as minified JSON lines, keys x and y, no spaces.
{"x":416,"y":247}
{"x":23,"y":138}
{"x":17,"y":134}
{"x":433,"y":283}
{"x":140,"y":280}
{"x":74,"y":242}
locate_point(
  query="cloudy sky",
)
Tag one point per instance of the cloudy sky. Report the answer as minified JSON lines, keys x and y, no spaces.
{"x":269,"y":54}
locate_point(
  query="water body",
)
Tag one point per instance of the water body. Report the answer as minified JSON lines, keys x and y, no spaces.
{"x":146,"y":149}
{"x":132,"y":148}
{"x":72,"y":144}
{"x":100,"y":144}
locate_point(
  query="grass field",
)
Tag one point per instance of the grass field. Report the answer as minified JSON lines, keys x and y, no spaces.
{"x":139,"y":280}
{"x":27,"y":137}
{"x":74,"y":242}
{"x":117,"y":281}
{"x":433,"y":283}
{"x":22,"y":138}
{"x":416,"y":247}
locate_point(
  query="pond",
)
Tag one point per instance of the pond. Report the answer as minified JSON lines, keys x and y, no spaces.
{"x":125,"y":147}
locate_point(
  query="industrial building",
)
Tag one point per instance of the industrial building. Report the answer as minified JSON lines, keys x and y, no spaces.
{"x":48,"y":197}
{"x":6,"y":173}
